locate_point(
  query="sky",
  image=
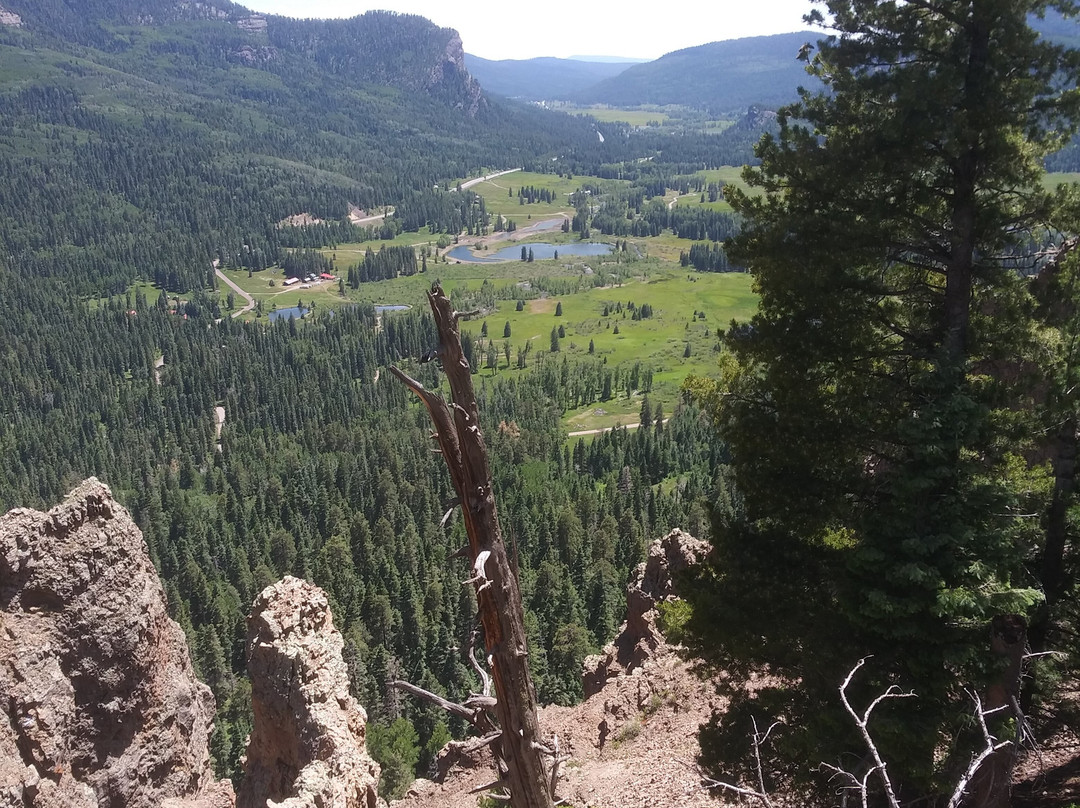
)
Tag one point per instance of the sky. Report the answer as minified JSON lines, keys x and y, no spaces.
{"x":521,"y":30}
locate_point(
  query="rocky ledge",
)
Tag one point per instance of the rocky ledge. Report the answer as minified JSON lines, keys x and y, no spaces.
{"x":639,"y":637}
{"x":100,"y":703}
{"x":307,"y":747}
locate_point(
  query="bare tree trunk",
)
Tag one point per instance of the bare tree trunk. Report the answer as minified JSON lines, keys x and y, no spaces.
{"x":991,"y":786}
{"x":457,"y":430}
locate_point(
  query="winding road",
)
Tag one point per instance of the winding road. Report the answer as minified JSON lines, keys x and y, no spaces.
{"x":478,"y":180}
{"x":250,"y":300}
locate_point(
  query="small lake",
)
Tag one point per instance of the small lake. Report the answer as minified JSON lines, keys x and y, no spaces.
{"x":540,"y":250}
{"x":299,"y":311}
{"x":292,"y":311}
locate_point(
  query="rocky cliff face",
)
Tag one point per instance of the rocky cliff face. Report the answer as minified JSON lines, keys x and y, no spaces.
{"x":450,"y":75}
{"x":307,"y":747}
{"x":100,"y":704}
{"x":654,"y":582}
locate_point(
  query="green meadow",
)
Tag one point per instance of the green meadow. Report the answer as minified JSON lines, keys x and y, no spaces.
{"x":679,"y":339}
{"x":634,"y":117}
{"x":659,"y":342}
{"x":1058,"y":178}
{"x":500,"y":194}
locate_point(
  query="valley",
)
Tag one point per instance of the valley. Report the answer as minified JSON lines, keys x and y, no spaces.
{"x":217,"y":239}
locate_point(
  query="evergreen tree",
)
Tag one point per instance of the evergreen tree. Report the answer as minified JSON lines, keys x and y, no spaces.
{"x":645,"y":416}
{"x":877,"y":461}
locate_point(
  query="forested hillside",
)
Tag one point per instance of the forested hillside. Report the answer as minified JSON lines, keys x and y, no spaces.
{"x":135,"y":141}
{"x":540,"y":79}
{"x":722,"y":77}
{"x":883,"y":473}
{"x":326,"y":473}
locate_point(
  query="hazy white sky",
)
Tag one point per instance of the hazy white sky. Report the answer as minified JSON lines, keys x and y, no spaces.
{"x":522,"y":30}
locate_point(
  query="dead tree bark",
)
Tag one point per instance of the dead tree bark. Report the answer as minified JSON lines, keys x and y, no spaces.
{"x":457,"y":430}
{"x":991,"y":784}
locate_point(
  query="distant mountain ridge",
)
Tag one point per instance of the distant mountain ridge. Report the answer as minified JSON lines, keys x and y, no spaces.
{"x":144,"y":138}
{"x":540,"y":79}
{"x":720,"y":76}
{"x":626,"y":60}
{"x":725,"y":77}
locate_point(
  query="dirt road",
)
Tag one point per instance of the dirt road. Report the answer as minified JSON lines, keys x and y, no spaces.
{"x":478,"y":180}
{"x":250,"y":300}
{"x":605,"y":429}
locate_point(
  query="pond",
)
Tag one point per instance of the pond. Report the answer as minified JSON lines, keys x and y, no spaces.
{"x":540,"y":250}
{"x":293,"y":311}
{"x":299,"y":311}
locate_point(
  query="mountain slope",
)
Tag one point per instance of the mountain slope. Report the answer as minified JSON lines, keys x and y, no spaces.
{"x":720,"y":76}
{"x":146,"y":138}
{"x":540,"y":79}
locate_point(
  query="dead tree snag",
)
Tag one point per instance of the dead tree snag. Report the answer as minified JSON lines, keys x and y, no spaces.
{"x":457,"y":429}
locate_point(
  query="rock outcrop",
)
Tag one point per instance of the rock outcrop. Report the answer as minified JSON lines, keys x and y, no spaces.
{"x":633,"y":741}
{"x":307,"y":746}
{"x":10,"y":18}
{"x":450,"y":73}
{"x":654,"y":582}
{"x":100,"y":705}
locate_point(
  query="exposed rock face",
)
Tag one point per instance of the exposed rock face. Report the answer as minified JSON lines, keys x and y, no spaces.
{"x":10,"y":18}
{"x":100,"y":704}
{"x":307,"y":746}
{"x":450,"y":72}
{"x":639,"y":638}
{"x":253,"y":24}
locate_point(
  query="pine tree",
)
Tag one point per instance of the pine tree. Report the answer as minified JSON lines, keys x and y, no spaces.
{"x":875,"y":457}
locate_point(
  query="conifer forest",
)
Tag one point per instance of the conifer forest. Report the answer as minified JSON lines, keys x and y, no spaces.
{"x":882,"y":450}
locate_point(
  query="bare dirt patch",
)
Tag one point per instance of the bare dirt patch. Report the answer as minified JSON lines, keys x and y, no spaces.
{"x":299,"y":220}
